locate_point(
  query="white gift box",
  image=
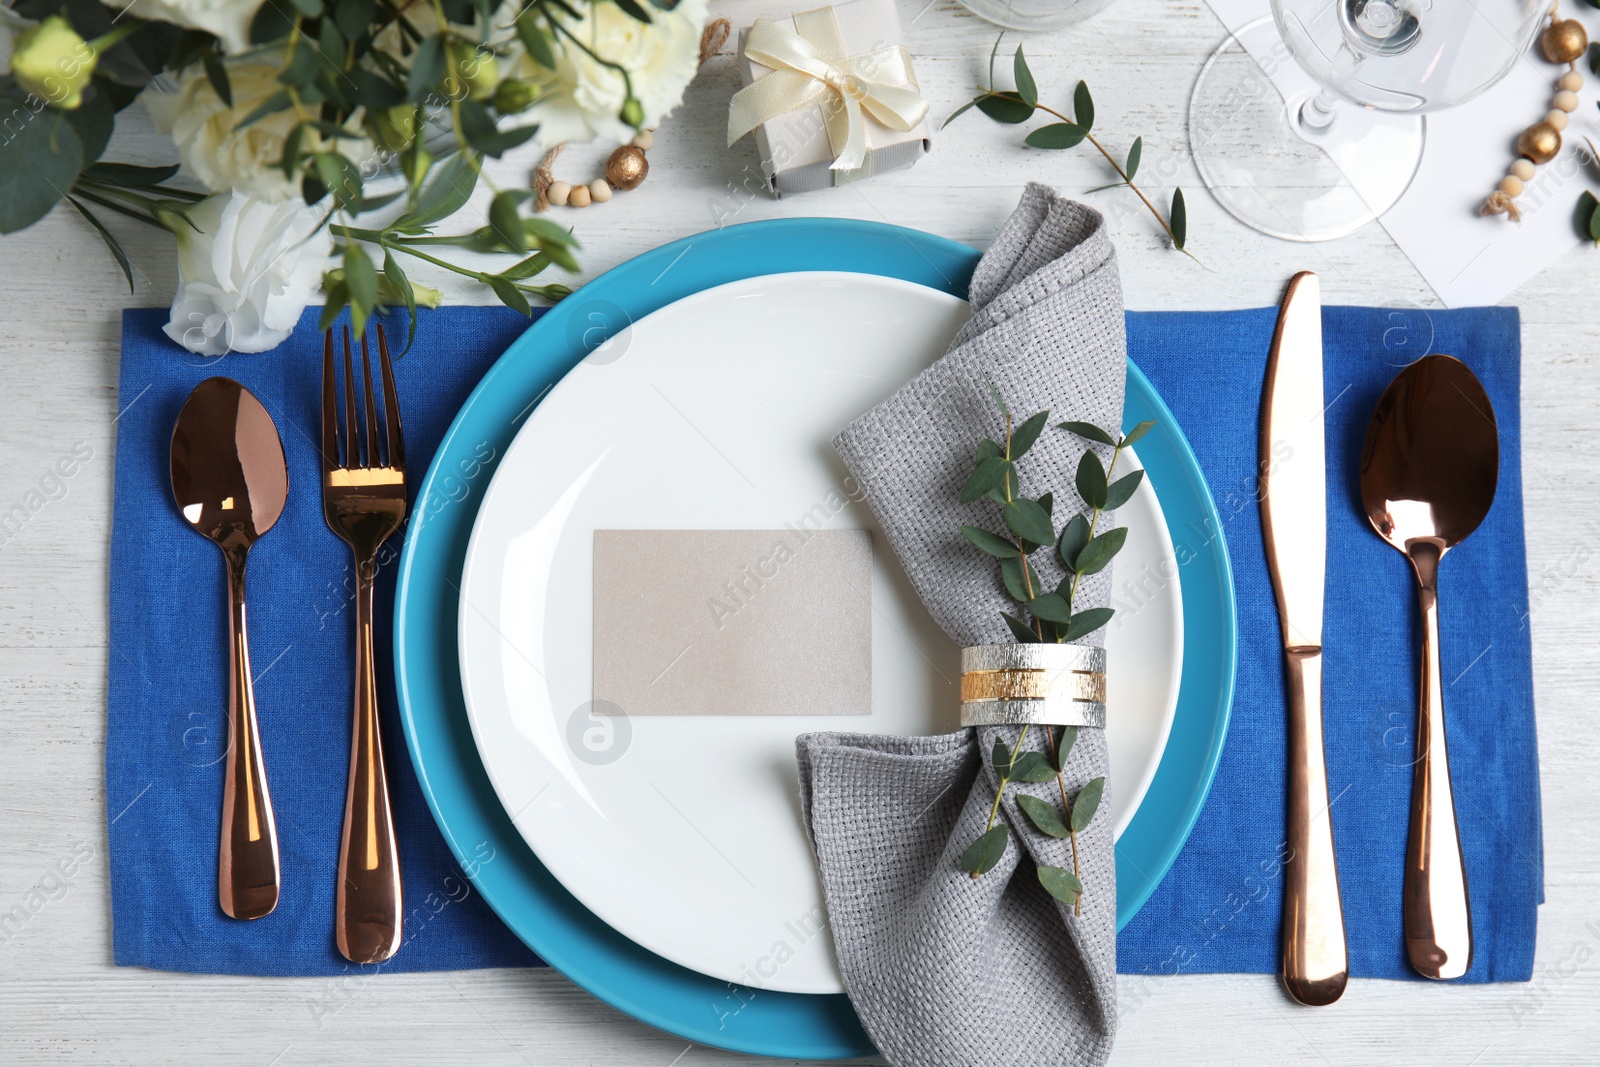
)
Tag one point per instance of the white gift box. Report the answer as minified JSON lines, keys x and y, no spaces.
{"x":797,"y":153}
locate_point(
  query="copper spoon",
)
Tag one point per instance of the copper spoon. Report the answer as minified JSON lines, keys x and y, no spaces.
{"x":1428,"y":473}
{"x":230,"y":481}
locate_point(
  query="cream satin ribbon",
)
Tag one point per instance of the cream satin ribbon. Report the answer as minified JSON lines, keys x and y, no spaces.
{"x":810,"y":69}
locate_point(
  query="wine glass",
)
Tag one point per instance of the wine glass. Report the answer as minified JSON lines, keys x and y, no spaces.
{"x":1316,"y":149}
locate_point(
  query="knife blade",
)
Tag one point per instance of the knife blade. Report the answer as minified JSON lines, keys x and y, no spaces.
{"x":1294,"y":526}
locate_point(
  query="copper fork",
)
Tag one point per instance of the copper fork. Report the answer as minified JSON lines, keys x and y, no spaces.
{"x":364,"y":501}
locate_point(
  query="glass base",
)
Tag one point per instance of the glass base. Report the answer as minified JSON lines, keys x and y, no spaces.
{"x":1276,"y":173}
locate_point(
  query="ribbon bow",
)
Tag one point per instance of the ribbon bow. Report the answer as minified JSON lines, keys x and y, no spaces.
{"x":810,"y":69}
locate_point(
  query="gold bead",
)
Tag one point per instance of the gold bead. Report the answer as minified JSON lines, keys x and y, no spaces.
{"x":1558,"y":119}
{"x":1571,"y":81}
{"x":1566,"y":100}
{"x":600,"y":190}
{"x":627,"y":168}
{"x":558,"y":193}
{"x":580,"y":196}
{"x":1539,"y":142}
{"x":1523,"y":169}
{"x":1563,"y":41}
{"x":1511,"y":185}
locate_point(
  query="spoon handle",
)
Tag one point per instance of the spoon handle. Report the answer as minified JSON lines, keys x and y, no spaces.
{"x":1315,"y":958}
{"x":1438,"y":915}
{"x":247,"y":867}
{"x":367,"y":918}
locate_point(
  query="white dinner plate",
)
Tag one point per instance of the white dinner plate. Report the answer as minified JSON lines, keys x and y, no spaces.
{"x":716,"y":412}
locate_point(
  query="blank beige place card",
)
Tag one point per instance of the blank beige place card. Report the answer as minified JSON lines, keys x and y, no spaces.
{"x":733,"y":622}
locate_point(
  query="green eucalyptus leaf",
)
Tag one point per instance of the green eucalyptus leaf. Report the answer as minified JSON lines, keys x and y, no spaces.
{"x":999,"y":401}
{"x":1057,"y":135}
{"x":1069,"y":736}
{"x":1097,"y":554}
{"x":1019,"y":629}
{"x":1138,"y":432}
{"x":273,"y":21}
{"x":1122,"y":490}
{"x":1048,"y":502}
{"x":633,"y":10}
{"x":1051,"y":607}
{"x":534,"y":38}
{"x":1091,"y":480}
{"x":1074,"y":535}
{"x":1029,"y":521}
{"x":362,"y":280}
{"x":1086,"y":803}
{"x":38,"y":164}
{"x":1086,"y":622}
{"x":427,"y":69}
{"x":1023,"y":437}
{"x":988,"y":448}
{"x":1020,"y":578}
{"x":989,"y":543}
{"x":1026,"y":88}
{"x":962,"y":110}
{"x":1005,"y":108}
{"x":1088,"y":430}
{"x":1032,"y":767}
{"x":1132,"y":166}
{"x":1083,"y":106}
{"x":985,"y":476}
{"x":446,"y":193}
{"x":397,"y":278}
{"x":1179,"y":219}
{"x":982,"y":855}
{"x":339,"y":176}
{"x":1000,"y":758}
{"x":1594,"y":48}
{"x":1043,"y":814}
{"x":337,"y":298}
{"x":1061,"y":884}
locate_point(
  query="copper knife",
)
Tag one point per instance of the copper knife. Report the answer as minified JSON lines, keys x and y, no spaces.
{"x":1294,"y":526}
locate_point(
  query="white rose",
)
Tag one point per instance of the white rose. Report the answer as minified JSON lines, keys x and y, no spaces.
{"x":223,"y":156}
{"x":228,"y":20}
{"x":584,"y":99}
{"x":244,"y":279}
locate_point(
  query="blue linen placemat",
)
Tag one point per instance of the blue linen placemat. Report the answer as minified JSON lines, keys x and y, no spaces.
{"x":1217,"y":910}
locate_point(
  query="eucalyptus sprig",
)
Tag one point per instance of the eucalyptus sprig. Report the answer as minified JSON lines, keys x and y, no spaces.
{"x":1018,"y":105}
{"x":1082,"y":550}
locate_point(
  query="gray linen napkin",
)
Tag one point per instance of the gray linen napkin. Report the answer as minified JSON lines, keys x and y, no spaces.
{"x":946,"y":970}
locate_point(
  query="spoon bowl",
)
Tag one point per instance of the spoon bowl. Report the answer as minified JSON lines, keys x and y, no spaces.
{"x":1429,"y":469}
{"x":230,"y":481}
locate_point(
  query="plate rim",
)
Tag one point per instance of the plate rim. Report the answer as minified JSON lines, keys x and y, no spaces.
{"x":598,"y":959}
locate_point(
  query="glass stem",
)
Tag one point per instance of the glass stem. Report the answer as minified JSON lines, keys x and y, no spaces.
{"x":1317,"y":113}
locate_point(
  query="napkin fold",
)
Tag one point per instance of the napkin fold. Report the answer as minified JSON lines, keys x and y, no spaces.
{"x":947,"y":970}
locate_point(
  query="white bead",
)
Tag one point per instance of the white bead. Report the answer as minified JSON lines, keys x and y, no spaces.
{"x":1566,"y":100}
{"x":644,"y":139}
{"x":600,"y":190}
{"x":580,"y":196}
{"x":1511,"y":185}
{"x":1558,"y":119}
{"x":1571,"y":81}
{"x":1523,"y":169}
{"x":558,"y":193}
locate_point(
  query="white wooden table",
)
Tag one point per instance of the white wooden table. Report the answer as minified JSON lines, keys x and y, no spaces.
{"x":62,"y":1001}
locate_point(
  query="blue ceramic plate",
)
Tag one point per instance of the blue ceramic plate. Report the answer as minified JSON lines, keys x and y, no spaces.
{"x":536,"y":907}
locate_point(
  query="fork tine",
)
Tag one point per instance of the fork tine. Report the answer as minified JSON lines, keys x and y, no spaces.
{"x":330,"y":407}
{"x":352,"y":449}
{"x":369,"y":410}
{"x":391,"y":406}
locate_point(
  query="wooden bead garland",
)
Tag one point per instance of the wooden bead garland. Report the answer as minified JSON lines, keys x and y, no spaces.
{"x":1563,"y":41}
{"x":626,"y":167}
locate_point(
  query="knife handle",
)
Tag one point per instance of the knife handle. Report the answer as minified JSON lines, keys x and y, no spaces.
{"x":1438,"y":913}
{"x":1315,"y":961}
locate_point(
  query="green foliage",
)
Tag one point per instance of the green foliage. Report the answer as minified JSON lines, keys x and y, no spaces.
{"x":1015,"y":106}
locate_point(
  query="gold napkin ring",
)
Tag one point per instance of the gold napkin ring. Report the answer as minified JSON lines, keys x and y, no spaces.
{"x":1059,"y":685}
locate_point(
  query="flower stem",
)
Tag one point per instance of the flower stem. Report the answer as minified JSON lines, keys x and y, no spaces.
{"x":1094,"y":521}
{"x":994,"y":809}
